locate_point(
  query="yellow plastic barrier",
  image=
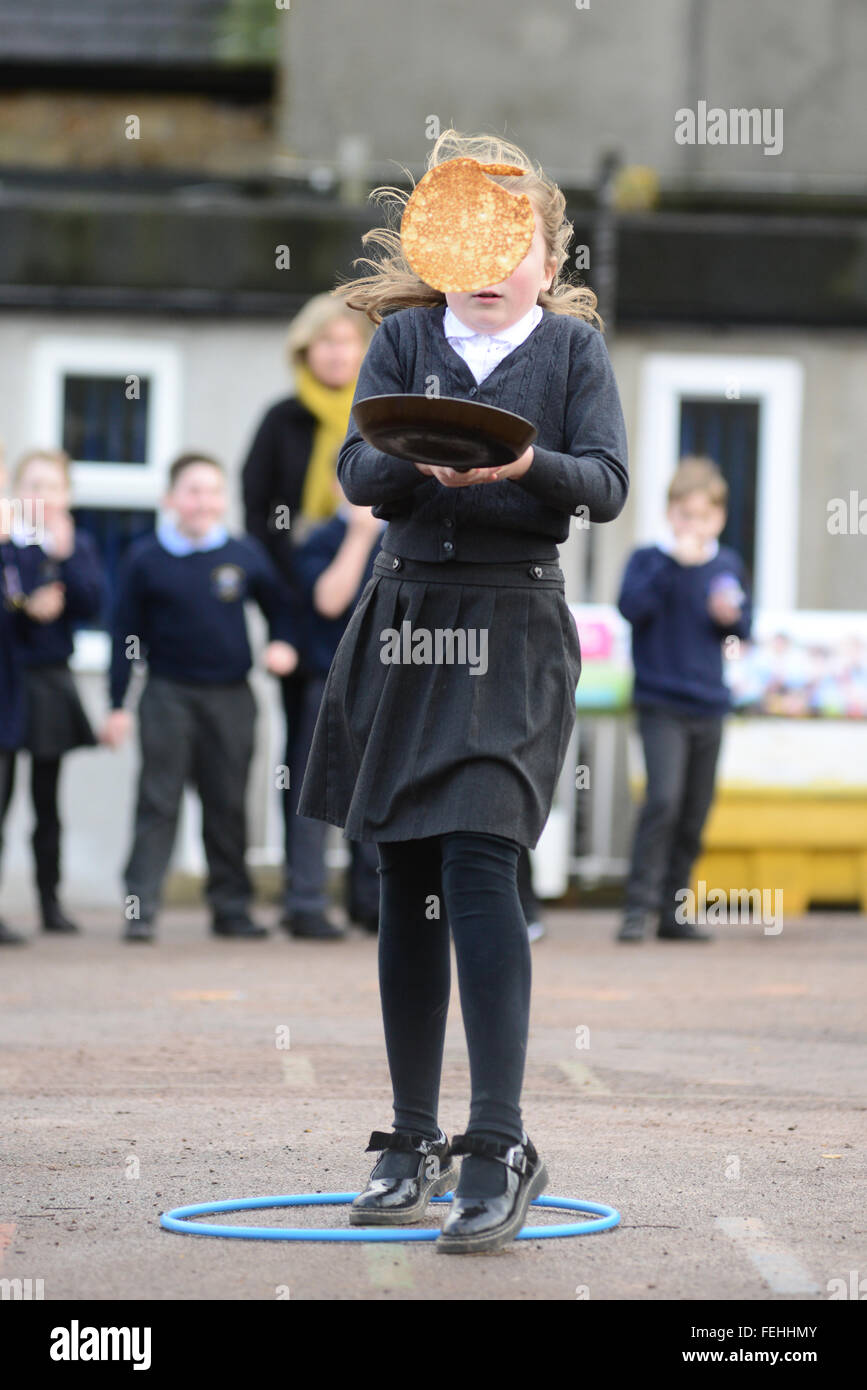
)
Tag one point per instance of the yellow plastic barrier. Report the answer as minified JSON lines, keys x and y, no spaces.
{"x":810,"y":844}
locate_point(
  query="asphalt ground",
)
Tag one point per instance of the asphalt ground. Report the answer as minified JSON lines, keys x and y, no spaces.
{"x":714,"y":1094}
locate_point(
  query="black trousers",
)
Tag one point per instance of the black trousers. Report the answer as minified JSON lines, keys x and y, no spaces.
{"x":202,"y":734}
{"x":680,"y":755}
{"x":464,"y":883}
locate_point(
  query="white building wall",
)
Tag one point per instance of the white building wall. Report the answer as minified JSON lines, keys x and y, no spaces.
{"x":231,"y":370}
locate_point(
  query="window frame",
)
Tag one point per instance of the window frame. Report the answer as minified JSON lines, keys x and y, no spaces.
{"x":777,"y":383}
{"x":111,"y":485}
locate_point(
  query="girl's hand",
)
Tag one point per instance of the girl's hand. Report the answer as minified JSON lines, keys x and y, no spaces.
{"x":62,"y":529}
{"x":452,"y":477}
{"x":280,"y":658}
{"x":449,"y":477}
{"x":509,"y":470}
{"x":116,"y":728}
{"x":46,"y":603}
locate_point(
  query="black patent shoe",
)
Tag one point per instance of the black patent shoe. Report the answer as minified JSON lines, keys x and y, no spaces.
{"x":487,"y":1223}
{"x":400,"y":1201}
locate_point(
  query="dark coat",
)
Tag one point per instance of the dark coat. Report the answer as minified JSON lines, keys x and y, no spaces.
{"x":273,"y":476}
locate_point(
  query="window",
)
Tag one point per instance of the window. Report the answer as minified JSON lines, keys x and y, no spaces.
{"x":686,"y":406}
{"x":114,"y":405}
{"x":728,"y":432}
{"x":105,"y":418}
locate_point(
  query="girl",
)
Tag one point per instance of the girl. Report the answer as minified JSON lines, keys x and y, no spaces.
{"x":56,"y":721}
{"x":27,"y":597}
{"x":451,"y":771}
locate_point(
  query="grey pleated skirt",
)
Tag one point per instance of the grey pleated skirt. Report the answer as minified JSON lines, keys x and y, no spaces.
{"x":472,"y":735}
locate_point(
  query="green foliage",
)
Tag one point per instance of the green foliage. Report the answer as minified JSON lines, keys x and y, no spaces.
{"x":247,"y":31}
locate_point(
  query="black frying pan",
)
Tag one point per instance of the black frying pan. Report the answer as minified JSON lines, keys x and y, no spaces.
{"x":443,"y":430}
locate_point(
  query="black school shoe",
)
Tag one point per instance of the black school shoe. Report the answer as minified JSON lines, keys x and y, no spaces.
{"x":138,"y":929}
{"x":241,"y":925}
{"x":311,"y":926}
{"x":397,"y":1193}
{"x":487,"y":1223}
{"x":54,"y":919}
{"x":632,"y":927}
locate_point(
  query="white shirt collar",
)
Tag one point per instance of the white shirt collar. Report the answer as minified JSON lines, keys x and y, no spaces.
{"x":176,"y":543}
{"x":453,"y":327}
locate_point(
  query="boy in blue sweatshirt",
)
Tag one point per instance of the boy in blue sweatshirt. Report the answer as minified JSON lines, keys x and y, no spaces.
{"x":180,"y":606}
{"x":682,"y":597}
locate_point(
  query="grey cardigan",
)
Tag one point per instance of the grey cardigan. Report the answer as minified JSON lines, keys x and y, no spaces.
{"x":560,"y":377}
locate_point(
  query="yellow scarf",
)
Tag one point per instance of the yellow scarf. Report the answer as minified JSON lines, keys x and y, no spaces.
{"x":331,"y":407}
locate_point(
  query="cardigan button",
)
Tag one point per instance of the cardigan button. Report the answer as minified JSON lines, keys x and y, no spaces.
{"x":448,"y":521}
{"x":396,"y":563}
{"x":473,"y":391}
{"x":536,"y":571}
{"x":447,"y":545}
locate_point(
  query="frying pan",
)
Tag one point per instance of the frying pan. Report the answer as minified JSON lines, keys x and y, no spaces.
{"x":443,"y":430}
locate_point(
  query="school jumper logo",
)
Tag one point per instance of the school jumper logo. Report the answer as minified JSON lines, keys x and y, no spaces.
{"x":228,"y":582}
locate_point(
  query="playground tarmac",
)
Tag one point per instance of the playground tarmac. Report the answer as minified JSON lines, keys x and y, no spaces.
{"x":714,"y":1094}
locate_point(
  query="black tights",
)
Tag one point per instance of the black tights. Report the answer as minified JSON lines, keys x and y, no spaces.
{"x":467,"y":882}
{"x":44,"y":775}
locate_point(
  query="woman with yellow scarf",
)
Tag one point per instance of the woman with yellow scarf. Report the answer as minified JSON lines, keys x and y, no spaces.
{"x":289,"y":485}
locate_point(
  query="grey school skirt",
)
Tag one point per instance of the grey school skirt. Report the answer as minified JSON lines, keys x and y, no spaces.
{"x":472,"y":735}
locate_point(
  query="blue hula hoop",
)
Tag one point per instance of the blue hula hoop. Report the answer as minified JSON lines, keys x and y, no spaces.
{"x":178,"y":1220}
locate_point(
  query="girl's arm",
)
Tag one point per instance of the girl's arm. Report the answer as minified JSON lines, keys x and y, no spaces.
{"x":338,"y":583}
{"x":366,"y":475}
{"x":594,"y":472}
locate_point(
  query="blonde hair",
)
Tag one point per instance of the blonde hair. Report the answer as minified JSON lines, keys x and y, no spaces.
{"x":697,"y":473}
{"x":392,"y":284}
{"x":58,"y":456}
{"x":317,"y":315}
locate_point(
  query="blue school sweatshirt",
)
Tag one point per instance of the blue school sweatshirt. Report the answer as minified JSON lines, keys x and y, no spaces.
{"x":51,"y":644}
{"x":188,"y":611}
{"x":676,"y":644}
{"x":310,"y":559}
{"x":18,"y":573}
